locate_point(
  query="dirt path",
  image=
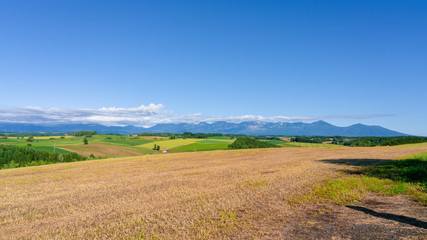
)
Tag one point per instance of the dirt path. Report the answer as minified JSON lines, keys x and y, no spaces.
{"x":376,"y":217}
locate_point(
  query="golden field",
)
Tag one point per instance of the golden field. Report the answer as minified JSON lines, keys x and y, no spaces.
{"x":239,"y":194}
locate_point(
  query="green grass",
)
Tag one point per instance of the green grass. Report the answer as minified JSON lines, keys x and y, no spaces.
{"x":179,"y":143}
{"x":419,"y":156}
{"x":169,"y":144}
{"x":11,"y":140}
{"x":412,"y":169}
{"x":348,"y":190}
{"x":128,"y":141}
{"x":220,"y":138}
{"x":276,"y":142}
{"x":215,"y":141}
{"x":50,"y":149}
{"x":407,"y":176}
{"x":201,"y":147}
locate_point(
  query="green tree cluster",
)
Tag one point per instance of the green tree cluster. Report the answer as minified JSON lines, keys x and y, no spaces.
{"x":15,"y":156}
{"x":308,"y":140}
{"x":383,"y":141}
{"x":85,"y":133}
{"x":246,"y":142}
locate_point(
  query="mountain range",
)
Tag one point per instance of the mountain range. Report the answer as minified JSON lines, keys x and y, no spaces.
{"x":319,"y":128}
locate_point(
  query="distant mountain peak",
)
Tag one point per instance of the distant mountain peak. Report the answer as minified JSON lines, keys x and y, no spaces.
{"x":318,"y":128}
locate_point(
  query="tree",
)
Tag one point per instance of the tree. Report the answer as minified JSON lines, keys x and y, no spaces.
{"x":158,"y":148}
{"x":85,"y":133}
{"x":85,"y":141}
{"x":60,"y":158}
{"x":30,"y":139}
{"x":172,"y":136}
{"x":155,"y":147}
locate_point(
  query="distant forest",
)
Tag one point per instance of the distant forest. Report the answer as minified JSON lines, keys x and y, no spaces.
{"x":361,"y":141}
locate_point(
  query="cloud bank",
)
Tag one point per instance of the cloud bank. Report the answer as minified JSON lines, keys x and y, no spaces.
{"x":145,"y":116}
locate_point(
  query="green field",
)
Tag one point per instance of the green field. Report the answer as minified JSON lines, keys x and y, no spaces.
{"x":190,"y":144}
{"x":282,"y":143}
{"x":201,"y":147}
{"x":50,"y":149}
{"x":220,"y":138}
{"x":169,"y":143}
{"x":128,"y":142}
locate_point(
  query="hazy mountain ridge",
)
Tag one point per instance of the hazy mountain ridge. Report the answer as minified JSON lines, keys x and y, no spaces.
{"x":319,"y":128}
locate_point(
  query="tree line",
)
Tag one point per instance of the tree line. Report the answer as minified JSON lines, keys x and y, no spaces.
{"x":84,"y":133}
{"x":383,"y":141}
{"x":183,"y":135}
{"x":310,"y":139}
{"x":361,"y":141}
{"x":15,"y":156}
{"x":246,"y":142}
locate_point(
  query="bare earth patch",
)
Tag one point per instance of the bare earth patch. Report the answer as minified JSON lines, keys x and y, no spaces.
{"x":99,"y":149}
{"x":376,"y":217}
{"x":239,"y":194}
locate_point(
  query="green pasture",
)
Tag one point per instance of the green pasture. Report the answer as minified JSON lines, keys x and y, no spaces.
{"x":189,"y":144}
{"x":281,"y":143}
{"x":201,"y":147}
{"x":128,"y":142}
{"x":406,"y":176}
{"x":220,"y":138}
{"x":208,"y":141}
{"x":11,"y":140}
{"x":50,"y":149}
{"x":169,"y":144}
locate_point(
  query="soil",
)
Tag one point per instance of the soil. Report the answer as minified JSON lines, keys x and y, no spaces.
{"x":100,"y":150}
{"x":376,"y":217}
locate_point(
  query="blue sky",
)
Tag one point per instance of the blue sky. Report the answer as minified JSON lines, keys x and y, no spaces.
{"x":345,"y":62}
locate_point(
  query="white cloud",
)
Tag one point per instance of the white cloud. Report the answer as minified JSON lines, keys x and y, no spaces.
{"x":105,"y":116}
{"x":149,"y":115}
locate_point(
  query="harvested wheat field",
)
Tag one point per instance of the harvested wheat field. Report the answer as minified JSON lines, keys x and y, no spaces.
{"x":99,"y":149}
{"x":241,"y":194}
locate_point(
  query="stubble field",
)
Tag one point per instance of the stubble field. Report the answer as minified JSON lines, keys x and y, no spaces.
{"x":240,"y":194}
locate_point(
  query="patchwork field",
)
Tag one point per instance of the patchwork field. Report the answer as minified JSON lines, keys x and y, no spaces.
{"x":114,"y":145}
{"x":98,"y":150}
{"x":239,"y":194}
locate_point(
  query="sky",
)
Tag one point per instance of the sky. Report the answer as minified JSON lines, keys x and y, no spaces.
{"x":148,"y":62}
